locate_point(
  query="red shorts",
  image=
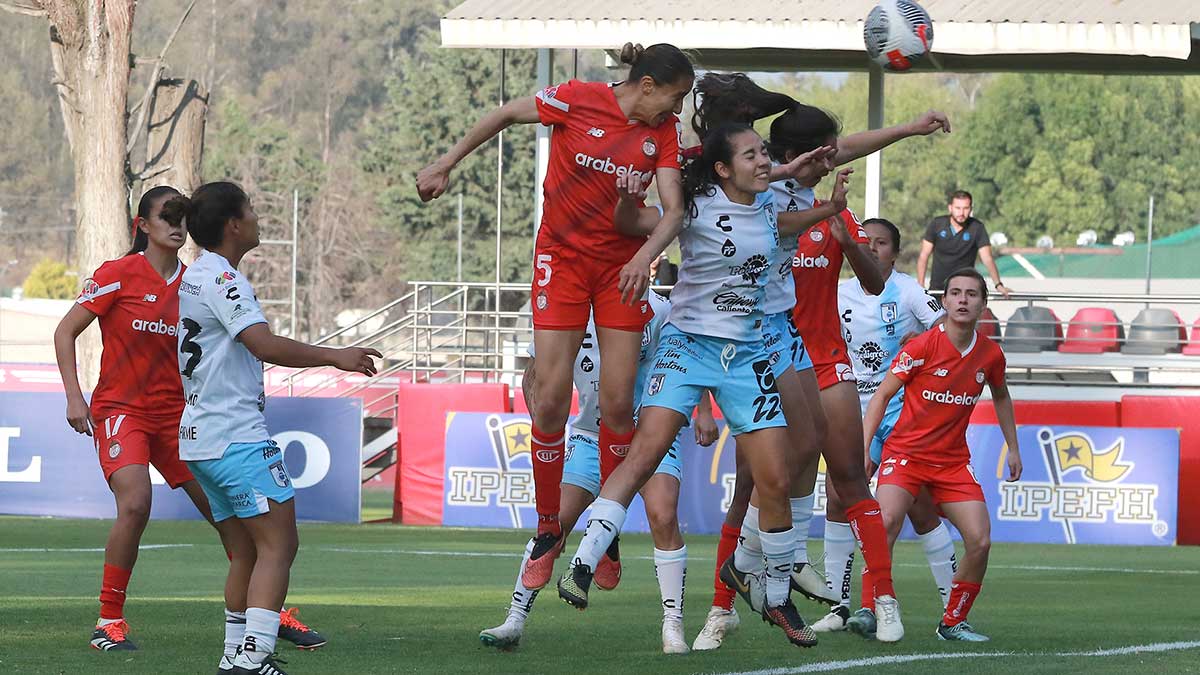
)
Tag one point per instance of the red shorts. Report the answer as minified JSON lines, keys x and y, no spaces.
{"x":829,"y":374}
{"x":945,"y":482}
{"x":567,"y":284}
{"x":123,"y":439}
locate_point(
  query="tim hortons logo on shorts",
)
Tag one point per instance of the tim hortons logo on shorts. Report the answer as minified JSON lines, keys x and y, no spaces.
{"x":949,"y":397}
{"x":606,"y":165}
{"x":159,"y":327}
{"x":809,"y":262}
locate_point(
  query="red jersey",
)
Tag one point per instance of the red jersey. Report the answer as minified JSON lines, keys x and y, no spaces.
{"x":138,"y":310}
{"x":816,"y":268}
{"x":592,"y":143}
{"x":941,"y":388}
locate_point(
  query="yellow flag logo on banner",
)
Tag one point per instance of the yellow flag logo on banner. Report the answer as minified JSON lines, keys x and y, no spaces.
{"x":1076,"y":450}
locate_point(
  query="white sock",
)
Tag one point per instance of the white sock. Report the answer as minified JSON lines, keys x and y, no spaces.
{"x":235,"y":630}
{"x":839,"y":559}
{"x":262,"y":627}
{"x":779,"y":551}
{"x":939,"y":550}
{"x":748,"y":556}
{"x":608,"y":517}
{"x":671,"y":569}
{"x":802,"y":510}
{"x":522,"y":598}
{"x":100,"y":623}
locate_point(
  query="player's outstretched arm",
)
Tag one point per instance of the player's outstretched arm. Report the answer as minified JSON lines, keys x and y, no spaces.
{"x":876,"y":408}
{"x":72,"y":325}
{"x":864,"y":143}
{"x":795,"y":223}
{"x":281,"y":351}
{"x":433,"y":180}
{"x":1002,"y":401}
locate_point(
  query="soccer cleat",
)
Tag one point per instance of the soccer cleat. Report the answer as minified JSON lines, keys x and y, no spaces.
{"x":573,"y":586}
{"x":961,"y":632}
{"x":113,"y":637}
{"x":294,"y":631}
{"x":225,"y":665}
{"x":720,"y":622}
{"x":835,"y":620}
{"x":747,"y":585}
{"x":887,"y":612}
{"x":786,"y":617}
{"x":862,"y":623}
{"x":244,"y":666}
{"x":608,"y":570}
{"x":672,"y":635}
{"x":811,"y":584}
{"x":505,"y":636}
{"x":538,"y":570}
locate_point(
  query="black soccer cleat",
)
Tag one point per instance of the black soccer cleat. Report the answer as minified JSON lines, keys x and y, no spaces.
{"x":269,"y":666}
{"x":573,"y":586}
{"x":292,"y":629}
{"x":113,"y":638}
{"x":788,"y":618}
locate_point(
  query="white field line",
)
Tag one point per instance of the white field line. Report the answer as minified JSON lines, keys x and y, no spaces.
{"x":827,"y":666}
{"x":143,"y":547}
{"x":697,"y":558}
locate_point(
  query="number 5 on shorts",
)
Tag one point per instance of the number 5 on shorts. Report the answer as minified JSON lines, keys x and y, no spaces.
{"x":543,"y":265}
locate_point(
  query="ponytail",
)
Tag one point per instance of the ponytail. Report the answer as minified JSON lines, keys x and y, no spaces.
{"x":141,"y":240}
{"x":734,"y":97}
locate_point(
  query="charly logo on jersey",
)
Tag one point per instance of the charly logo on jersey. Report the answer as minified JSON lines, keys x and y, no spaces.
{"x":750,"y":270}
{"x":1088,"y":483}
{"x":729,"y":301}
{"x":808,"y":262}
{"x":649,"y":148}
{"x":596,"y":132}
{"x":728,"y":249}
{"x":872,"y":355}
{"x":586,"y":365}
{"x":888,"y":312}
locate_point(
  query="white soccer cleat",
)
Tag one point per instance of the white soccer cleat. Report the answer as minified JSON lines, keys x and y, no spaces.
{"x":834,"y":621}
{"x":888,"y":627}
{"x":720,"y":622}
{"x":811,"y":584}
{"x":505,"y":636}
{"x":672,"y":636}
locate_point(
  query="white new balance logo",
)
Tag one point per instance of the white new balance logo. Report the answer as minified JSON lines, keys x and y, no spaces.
{"x":150,"y":297}
{"x":598,"y":133}
{"x":941,"y":372}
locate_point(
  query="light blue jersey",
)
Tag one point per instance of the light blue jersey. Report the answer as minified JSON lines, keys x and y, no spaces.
{"x":727,"y":251}
{"x":790,"y":197}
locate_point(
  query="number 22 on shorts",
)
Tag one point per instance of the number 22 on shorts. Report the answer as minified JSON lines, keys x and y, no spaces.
{"x":543,"y":266}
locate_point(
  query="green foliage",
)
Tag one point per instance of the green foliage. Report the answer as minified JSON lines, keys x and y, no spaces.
{"x":50,"y":279}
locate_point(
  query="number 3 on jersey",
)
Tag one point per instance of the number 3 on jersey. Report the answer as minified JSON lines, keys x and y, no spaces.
{"x":190,"y":330}
{"x":543,"y":266}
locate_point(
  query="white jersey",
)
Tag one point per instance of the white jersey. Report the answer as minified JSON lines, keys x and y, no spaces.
{"x":790,"y":197}
{"x":586,"y":375}
{"x":222,"y":381}
{"x":727,"y":251}
{"x":874,"y":324}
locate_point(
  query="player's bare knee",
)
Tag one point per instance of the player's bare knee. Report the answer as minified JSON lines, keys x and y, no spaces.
{"x":663,"y":523}
{"x":550,"y":414}
{"x":134,"y":509}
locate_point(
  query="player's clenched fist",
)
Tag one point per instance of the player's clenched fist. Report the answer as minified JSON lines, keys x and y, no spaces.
{"x":432,"y":181}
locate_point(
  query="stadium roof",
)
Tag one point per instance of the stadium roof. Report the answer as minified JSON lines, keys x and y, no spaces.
{"x":1109,"y":36}
{"x":1174,"y":257}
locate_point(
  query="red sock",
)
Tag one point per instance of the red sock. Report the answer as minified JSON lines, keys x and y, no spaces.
{"x":547,"y":459}
{"x":962,"y":596}
{"x":867,"y":592}
{"x":866,"y":522}
{"x":613,"y":448}
{"x":112,"y":592}
{"x":722,"y":594}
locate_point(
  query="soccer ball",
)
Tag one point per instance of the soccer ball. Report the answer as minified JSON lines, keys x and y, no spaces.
{"x":897,"y":34}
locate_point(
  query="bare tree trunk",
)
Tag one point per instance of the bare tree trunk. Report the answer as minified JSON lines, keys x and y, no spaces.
{"x":175,"y":141}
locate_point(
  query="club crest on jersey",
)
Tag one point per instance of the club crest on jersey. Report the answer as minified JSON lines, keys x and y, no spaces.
{"x":728,"y":249}
{"x":816,"y":235}
{"x":979,"y":376}
{"x":225,"y":276}
{"x":656,"y":383}
{"x":887,"y":312}
{"x":649,"y":149}
{"x":114,"y":449}
{"x":279,"y":474}
{"x":542,"y":301}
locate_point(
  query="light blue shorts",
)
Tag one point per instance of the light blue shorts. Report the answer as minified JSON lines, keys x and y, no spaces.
{"x":784,"y":344}
{"x":582,"y":464}
{"x":240,"y":482}
{"x":890,"y":416}
{"x":738,"y":373}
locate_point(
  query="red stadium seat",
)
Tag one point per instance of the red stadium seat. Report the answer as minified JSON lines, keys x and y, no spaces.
{"x":1193,"y":346}
{"x":989,"y":325}
{"x":1093,"y":330}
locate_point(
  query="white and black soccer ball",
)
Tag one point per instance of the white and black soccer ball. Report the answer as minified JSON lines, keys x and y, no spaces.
{"x":898,"y":33}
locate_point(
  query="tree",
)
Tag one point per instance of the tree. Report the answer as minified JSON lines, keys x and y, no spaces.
{"x":49,"y":279}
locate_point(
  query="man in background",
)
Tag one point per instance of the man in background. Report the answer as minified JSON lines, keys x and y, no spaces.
{"x":953,"y":240}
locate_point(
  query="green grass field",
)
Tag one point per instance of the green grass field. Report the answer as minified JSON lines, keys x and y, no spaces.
{"x":404,"y":599}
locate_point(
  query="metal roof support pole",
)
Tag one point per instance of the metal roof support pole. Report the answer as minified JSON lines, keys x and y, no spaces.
{"x":875,"y":159}
{"x":545,"y":75}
